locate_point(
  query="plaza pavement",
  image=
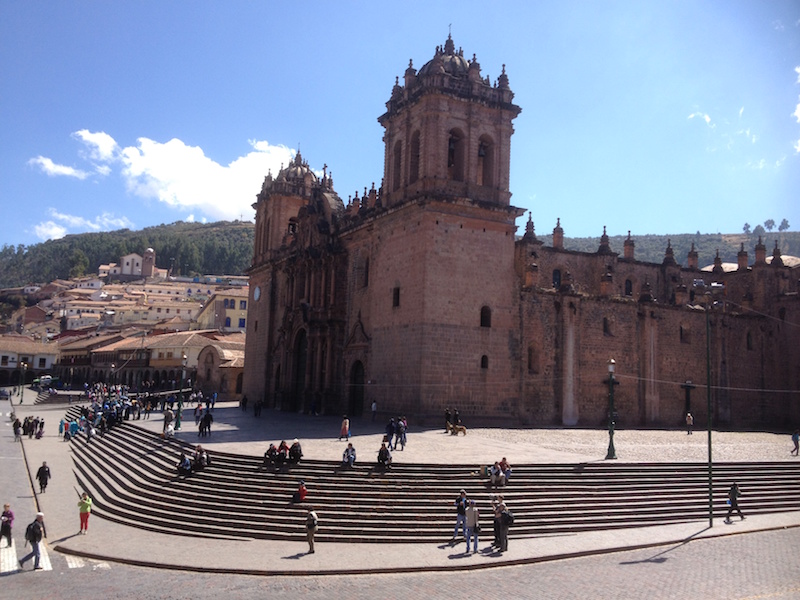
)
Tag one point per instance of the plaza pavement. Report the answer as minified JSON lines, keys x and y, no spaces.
{"x":240,"y":432}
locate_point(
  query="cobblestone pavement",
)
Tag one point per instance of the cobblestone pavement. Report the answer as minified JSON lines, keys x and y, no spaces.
{"x":741,"y":567}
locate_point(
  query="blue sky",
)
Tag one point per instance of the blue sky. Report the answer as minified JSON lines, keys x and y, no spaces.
{"x":655,"y":117}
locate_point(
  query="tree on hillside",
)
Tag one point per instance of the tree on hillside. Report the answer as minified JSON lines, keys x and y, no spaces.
{"x":784,"y":225}
{"x":80,"y":263}
{"x":759,"y":230}
{"x":769,"y":224}
{"x":746,"y":228}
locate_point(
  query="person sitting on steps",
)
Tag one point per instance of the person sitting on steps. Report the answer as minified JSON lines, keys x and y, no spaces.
{"x":384,"y":458}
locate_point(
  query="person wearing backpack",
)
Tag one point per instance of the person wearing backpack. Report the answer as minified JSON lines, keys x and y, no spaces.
{"x":312,"y":523}
{"x":33,"y":535}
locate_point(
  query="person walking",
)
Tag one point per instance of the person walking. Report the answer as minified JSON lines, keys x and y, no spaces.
{"x":344,"y":432}
{"x":796,"y":442}
{"x":33,"y":535}
{"x":43,"y":475}
{"x":312,"y":523}
{"x":473,"y":526}
{"x":733,"y":500}
{"x":689,"y":423}
{"x":461,"y":504}
{"x":7,"y":520}
{"x":85,"y":507}
{"x":374,"y":410}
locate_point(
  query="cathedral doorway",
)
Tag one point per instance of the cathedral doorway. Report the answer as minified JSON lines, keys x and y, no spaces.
{"x":300,"y":365}
{"x":355,"y":405}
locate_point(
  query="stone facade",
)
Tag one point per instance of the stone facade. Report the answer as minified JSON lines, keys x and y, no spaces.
{"x":419,"y":294}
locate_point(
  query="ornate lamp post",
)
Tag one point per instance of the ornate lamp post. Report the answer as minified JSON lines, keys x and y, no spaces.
{"x":612,"y":453}
{"x":24,"y":366}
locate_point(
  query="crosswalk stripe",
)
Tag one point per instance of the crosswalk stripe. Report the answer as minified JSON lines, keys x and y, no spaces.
{"x":8,"y":559}
{"x":74,"y":562}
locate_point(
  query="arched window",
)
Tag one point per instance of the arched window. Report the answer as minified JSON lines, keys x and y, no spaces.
{"x":749,"y":340}
{"x":397,"y":163}
{"x":366,"y":272}
{"x":556,"y":278}
{"x":486,"y":316}
{"x":227,"y":321}
{"x":628,"y":287}
{"x":606,"y":326}
{"x":485,"y":161}
{"x":455,"y":156}
{"x":484,"y":362}
{"x":413,"y":158}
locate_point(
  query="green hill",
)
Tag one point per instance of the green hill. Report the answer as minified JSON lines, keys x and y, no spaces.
{"x":189,"y":248}
{"x":650,"y":248}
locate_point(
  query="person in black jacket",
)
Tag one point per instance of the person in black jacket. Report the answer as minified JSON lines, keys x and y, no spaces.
{"x":33,"y":535}
{"x":43,"y":475}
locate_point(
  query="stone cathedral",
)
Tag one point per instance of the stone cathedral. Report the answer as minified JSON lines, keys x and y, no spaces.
{"x":421,"y":295}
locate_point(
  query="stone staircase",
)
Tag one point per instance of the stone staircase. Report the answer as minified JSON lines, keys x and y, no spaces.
{"x":131,"y":476}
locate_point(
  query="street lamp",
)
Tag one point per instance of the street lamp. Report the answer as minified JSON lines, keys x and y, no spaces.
{"x":612,"y":453}
{"x":111,"y":376}
{"x":24,"y":366}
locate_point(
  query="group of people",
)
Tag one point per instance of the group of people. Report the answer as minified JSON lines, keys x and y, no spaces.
{"x":396,"y":430}
{"x":198,"y":461}
{"x":36,"y":531}
{"x":30,"y":426}
{"x":276,"y":457}
{"x":468,"y":519}
{"x":499,"y":473}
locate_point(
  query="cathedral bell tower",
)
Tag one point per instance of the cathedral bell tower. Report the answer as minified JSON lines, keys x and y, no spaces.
{"x":448,"y":132}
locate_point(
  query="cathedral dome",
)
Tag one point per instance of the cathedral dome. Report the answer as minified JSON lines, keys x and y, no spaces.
{"x":447,"y":60}
{"x":298,"y":170}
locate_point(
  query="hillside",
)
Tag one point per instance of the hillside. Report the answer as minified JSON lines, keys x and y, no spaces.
{"x":226,"y":248}
{"x":650,"y":248}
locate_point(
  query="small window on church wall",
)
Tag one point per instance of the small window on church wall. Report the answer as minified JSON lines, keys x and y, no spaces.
{"x":396,"y":297}
{"x":397,"y":162}
{"x":486,"y":316}
{"x":628,"y":287}
{"x":366,"y":272}
{"x":686,"y":335}
{"x":557,"y":278}
{"x":533,"y":360}
{"x":484,"y":362}
{"x":749,"y":340}
{"x":413,"y":157}
{"x":606,"y":326}
{"x":485,"y":170}
{"x":455,"y":156}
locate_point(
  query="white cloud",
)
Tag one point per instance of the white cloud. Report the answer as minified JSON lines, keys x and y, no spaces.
{"x":101,"y":222}
{"x":60,"y":224}
{"x":49,"y":230}
{"x":702,"y":116}
{"x":183,"y":176}
{"x":178,"y":174}
{"x":54,"y":170}
{"x":102,"y":147}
